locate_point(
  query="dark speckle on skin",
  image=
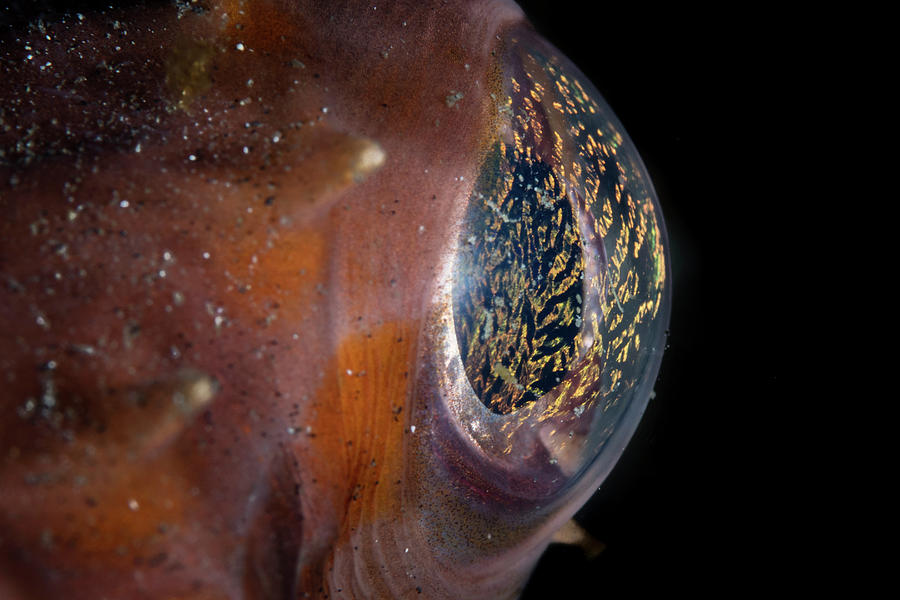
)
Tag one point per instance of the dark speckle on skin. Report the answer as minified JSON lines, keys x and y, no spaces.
{"x":226,"y":236}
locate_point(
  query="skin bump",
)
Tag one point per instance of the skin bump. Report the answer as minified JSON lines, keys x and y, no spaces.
{"x":226,"y":336}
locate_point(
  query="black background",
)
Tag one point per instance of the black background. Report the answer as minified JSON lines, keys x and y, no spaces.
{"x":686,"y":509}
{"x":700,"y":93}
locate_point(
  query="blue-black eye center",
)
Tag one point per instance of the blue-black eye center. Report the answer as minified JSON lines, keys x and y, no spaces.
{"x":518,"y":285}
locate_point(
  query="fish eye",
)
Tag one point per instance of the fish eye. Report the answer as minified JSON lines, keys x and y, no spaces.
{"x":554,"y":296}
{"x":518,"y":285}
{"x":335,"y":416}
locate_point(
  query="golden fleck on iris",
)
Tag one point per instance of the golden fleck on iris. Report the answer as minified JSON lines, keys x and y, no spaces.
{"x":519,"y":283}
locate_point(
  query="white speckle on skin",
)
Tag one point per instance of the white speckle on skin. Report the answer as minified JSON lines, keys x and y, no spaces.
{"x":42,"y":322}
{"x":453,"y":98}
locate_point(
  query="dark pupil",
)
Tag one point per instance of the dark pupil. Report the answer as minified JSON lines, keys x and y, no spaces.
{"x":519,"y":284}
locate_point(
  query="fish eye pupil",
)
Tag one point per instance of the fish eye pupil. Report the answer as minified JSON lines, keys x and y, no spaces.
{"x":518,"y":283}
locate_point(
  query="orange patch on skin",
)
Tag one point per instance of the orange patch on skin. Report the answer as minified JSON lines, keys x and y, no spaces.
{"x":261,"y":26}
{"x":282,"y":273}
{"x":362,"y":411}
{"x":359,"y":424}
{"x":373,"y":385}
{"x":122,"y":511}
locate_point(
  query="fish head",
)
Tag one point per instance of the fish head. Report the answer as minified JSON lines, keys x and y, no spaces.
{"x":308,"y":299}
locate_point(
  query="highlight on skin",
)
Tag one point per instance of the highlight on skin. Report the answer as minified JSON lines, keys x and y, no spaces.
{"x":310,"y":299}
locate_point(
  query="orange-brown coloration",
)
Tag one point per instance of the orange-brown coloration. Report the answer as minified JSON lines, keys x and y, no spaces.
{"x":257,"y":233}
{"x":359,"y":433}
{"x":222,"y":236}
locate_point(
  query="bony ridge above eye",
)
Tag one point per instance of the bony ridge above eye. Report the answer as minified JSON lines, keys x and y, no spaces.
{"x":555,"y":296}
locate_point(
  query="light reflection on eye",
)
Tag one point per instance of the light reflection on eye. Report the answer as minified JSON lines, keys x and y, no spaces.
{"x":556,"y":296}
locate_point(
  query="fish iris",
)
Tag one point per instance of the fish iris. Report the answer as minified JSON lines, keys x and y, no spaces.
{"x":518,"y":285}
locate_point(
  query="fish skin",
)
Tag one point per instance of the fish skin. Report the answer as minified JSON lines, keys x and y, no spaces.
{"x":219,"y":251}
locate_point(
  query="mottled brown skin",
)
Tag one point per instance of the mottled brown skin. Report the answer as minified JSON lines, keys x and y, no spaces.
{"x":281,"y":290}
